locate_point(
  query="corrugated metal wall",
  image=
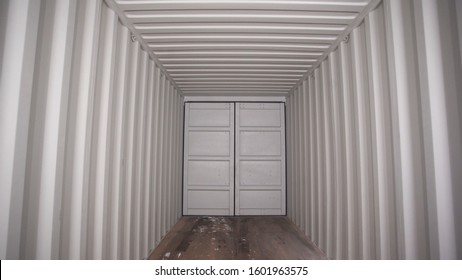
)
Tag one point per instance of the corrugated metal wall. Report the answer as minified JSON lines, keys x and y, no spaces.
{"x":91,"y":129}
{"x":374,"y":138}
{"x":91,"y":135}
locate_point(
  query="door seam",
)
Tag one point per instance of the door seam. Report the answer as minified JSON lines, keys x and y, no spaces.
{"x":234,"y":174}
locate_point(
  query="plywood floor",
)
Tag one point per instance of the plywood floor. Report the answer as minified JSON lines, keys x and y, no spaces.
{"x":240,"y":238}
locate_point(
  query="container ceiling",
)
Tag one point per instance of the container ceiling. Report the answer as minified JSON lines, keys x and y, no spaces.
{"x":237,"y":47}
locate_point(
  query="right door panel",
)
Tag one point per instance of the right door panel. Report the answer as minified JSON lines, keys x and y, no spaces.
{"x":260,"y":159}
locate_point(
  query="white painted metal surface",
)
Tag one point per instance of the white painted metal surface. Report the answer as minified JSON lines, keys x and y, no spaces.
{"x":91,"y":136}
{"x":375,"y":139}
{"x":230,"y":98}
{"x":209,"y":159}
{"x":240,"y":47}
{"x":260,"y":159}
{"x":91,"y":120}
{"x":228,"y":174}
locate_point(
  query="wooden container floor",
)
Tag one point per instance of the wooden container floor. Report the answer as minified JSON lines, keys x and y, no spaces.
{"x":236,"y":238}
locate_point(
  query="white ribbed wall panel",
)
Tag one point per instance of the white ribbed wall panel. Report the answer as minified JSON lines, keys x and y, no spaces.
{"x":376,"y":148}
{"x":89,"y":123}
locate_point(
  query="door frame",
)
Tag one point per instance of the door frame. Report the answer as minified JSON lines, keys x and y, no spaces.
{"x":234,"y":100}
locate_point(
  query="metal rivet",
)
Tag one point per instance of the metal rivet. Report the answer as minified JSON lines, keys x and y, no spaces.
{"x":346,"y":39}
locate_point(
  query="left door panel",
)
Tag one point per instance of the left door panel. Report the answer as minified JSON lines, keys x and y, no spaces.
{"x":209,"y":159}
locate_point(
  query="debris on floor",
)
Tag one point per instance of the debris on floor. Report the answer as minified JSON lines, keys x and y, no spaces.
{"x":246,"y":238}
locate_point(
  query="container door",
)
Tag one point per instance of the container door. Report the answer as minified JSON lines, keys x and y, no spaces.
{"x":260,"y":159}
{"x":209,"y":159}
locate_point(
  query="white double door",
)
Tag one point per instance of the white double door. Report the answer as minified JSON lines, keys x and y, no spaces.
{"x":234,"y":159}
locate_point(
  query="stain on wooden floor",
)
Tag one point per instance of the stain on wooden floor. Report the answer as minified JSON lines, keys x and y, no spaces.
{"x":236,"y":238}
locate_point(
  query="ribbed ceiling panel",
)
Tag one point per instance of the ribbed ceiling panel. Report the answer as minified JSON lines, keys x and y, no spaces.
{"x":257,"y":47}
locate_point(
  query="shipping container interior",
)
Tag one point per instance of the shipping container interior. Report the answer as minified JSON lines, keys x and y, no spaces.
{"x":94,"y":95}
